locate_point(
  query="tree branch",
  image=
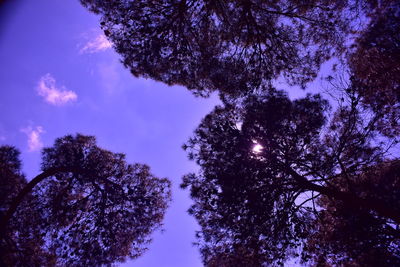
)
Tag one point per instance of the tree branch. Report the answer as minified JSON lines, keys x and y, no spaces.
{"x":26,"y":190}
{"x":350,"y":199}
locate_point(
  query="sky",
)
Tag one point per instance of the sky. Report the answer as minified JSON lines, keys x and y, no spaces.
{"x":59,"y":75}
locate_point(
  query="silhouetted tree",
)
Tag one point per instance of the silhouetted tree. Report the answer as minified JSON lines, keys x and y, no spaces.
{"x":376,"y":65}
{"x":345,"y":236}
{"x":264,"y":164}
{"x":240,"y":256}
{"x":87,"y":208}
{"x":228,"y":46}
{"x":21,"y":243}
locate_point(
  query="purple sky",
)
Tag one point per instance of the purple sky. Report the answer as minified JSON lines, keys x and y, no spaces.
{"x":59,"y":76}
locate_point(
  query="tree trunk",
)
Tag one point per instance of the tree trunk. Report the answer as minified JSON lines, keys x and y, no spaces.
{"x":350,"y":199}
{"x":27,"y":189}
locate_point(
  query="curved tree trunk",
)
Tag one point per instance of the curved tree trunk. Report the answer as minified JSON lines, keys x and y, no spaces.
{"x":25,"y":191}
{"x":350,"y":199}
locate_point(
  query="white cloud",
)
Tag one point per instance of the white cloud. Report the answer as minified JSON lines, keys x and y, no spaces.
{"x":53,"y":95}
{"x":33,"y":134}
{"x":100,"y":43}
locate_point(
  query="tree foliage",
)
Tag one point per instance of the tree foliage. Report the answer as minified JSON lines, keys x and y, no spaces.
{"x":344,"y":236}
{"x":21,"y":243}
{"x":265,"y":199}
{"x":240,"y":256}
{"x":228,"y":46}
{"x":376,"y":66}
{"x":87,"y":208}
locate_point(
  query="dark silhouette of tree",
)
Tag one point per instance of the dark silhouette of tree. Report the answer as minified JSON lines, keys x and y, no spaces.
{"x":240,"y":256}
{"x":264,"y":163}
{"x":88,"y":207}
{"x":357,"y":237}
{"x":228,"y":46}
{"x":376,"y":66}
{"x":21,"y":243}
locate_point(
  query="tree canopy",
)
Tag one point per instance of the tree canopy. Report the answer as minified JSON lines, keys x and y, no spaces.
{"x":238,"y":47}
{"x":265,"y":165}
{"x":376,"y":66}
{"x":228,"y":46}
{"x":21,"y":242}
{"x":88,"y":207}
{"x":357,"y":237}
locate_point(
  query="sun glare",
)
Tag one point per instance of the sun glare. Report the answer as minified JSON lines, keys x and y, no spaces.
{"x":257,"y":148}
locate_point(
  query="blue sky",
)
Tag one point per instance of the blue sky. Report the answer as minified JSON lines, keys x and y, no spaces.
{"x":58,"y":76}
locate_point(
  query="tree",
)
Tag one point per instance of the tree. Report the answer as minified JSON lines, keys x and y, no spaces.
{"x":21,"y":244}
{"x":345,"y":236}
{"x":264,"y":165}
{"x":375,"y":65}
{"x":88,"y":207}
{"x":233,"y":47}
{"x":240,"y":256}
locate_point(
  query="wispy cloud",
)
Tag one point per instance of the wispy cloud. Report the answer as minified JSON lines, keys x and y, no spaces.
{"x":98,"y":44}
{"x":109,"y":76}
{"x":3,"y":134}
{"x":33,"y":134}
{"x":56,"y":96}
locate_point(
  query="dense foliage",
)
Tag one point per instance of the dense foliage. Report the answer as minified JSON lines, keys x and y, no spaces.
{"x":21,"y":244}
{"x":87,"y":208}
{"x":357,"y":237}
{"x":228,"y":46}
{"x":265,"y":199}
{"x":376,"y":65}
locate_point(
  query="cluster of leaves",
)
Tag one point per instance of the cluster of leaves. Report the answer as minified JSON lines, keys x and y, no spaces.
{"x":21,"y":242}
{"x":90,"y":207}
{"x":375,"y":66}
{"x":345,"y":236}
{"x":228,"y":46}
{"x":241,"y":256}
